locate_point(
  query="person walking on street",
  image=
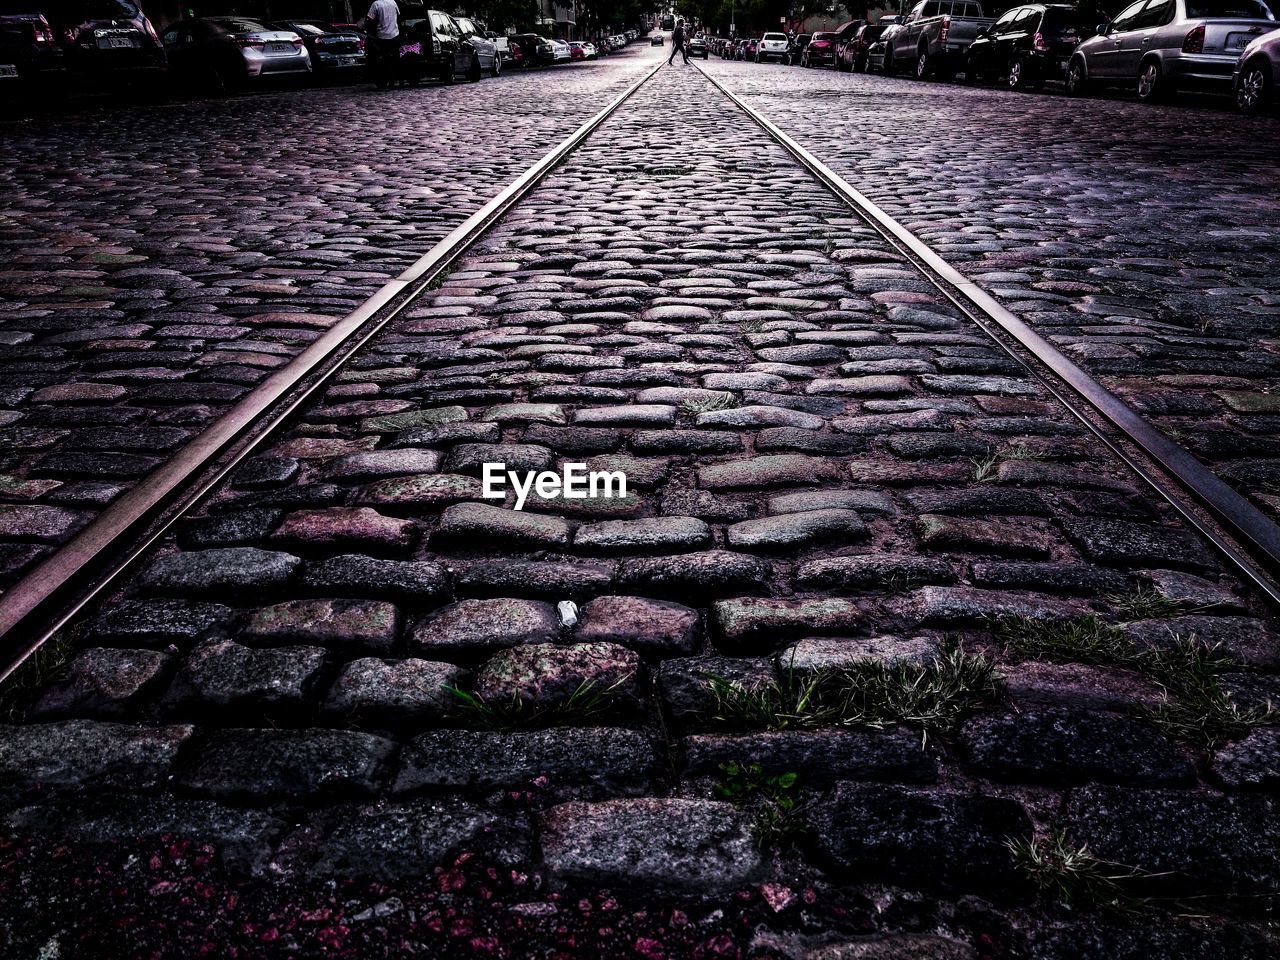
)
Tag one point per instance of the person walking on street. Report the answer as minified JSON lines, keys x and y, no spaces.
{"x":677,"y":43}
{"x":383,"y":25}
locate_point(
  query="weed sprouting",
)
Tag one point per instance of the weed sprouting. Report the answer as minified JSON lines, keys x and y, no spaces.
{"x":45,"y":665}
{"x":1071,"y":875}
{"x":1080,"y":640}
{"x":774,"y":799}
{"x":723,"y":401}
{"x":587,"y":701}
{"x":985,"y":468}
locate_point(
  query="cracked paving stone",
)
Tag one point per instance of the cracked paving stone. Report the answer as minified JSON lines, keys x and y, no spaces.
{"x":1060,"y":746}
{"x":1122,"y":543}
{"x":818,"y":756}
{"x":42,"y":524}
{"x":924,"y":839}
{"x":158,"y":622}
{"x":768,"y":471}
{"x":541,"y":578}
{"x":393,"y":842}
{"x":219,"y":572}
{"x":258,"y":764}
{"x":1204,"y":844}
{"x":695,"y":576}
{"x":418,"y":495}
{"x":468,"y":523}
{"x":698,"y":845}
{"x":546,"y":676}
{"x":648,"y":535}
{"x":395,"y":691}
{"x":652,"y":627}
{"x":360,"y":624}
{"x":103,"y":682}
{"x":355,"y":575}
{"x":1252,"y":763}
{"x":756,"y":623}
{"x":223,"y":673}
{"x":352,"y":528}
{"x":87,"y":754}
{"x":791,"y":530}
{"x":477,"y":626}
{"x":842,"y":653}
{"x":604,"y":758}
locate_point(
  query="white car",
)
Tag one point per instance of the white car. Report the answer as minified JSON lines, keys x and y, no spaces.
{"x":561,"y":50}
{"x":773,"y":46}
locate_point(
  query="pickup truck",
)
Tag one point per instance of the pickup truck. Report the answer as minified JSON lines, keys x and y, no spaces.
{"x":933,"y":38}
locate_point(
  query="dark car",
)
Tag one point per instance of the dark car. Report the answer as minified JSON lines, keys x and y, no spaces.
{"x":98,"y":39}
{"x":432,"y":45}
{"x":1027,"y":45}
{"x":227,"y":53}
{"x":698,"y":47}
{"x":537,"y":50}
{"x":30,"y":57}
{"x":852,"y":54}
{"x":334,"y":50}
{"x":798,"y":43}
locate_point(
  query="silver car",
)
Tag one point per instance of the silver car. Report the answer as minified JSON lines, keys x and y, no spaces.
{"x":1161,"y":45}
{"x":1257,"y":71}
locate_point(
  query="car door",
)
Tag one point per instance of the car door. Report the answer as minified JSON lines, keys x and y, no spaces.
{"x":904,"y":45}
{"x":988,"y":55}
{"x":1104,"y":53}
{"x":1137,"y":41}
{"x":178,"y":49}
{"x":1016,"y":38}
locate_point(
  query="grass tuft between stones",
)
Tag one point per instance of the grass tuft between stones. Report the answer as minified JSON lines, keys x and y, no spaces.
{"x":587,"y":702}
{"x":774,"y":800}
{"x":869,"y":695}
{"x":1194,"y":706}
{"x":693,"y":407}
{"x":1072,"y":876}
{"x":47,"y":664}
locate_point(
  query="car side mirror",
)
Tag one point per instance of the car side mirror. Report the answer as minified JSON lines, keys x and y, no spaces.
{"x":1102,"y":29}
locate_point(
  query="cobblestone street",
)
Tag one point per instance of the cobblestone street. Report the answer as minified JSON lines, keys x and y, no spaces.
{"x":883,"y":655}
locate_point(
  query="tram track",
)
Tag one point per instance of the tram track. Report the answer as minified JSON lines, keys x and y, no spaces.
{"x":54,"y":593}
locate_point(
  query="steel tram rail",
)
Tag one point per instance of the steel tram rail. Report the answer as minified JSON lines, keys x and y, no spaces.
{"x":1247,"y":539}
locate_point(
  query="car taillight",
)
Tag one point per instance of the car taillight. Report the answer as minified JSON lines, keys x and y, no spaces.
{"x":359,"y":43}
{"x":43,"y":34}
{"x":946,"y":29}
{"x":251,"y":41}
{"x":1038,"y":41}
{"x":297,"y":42}
{"x":1194,"y":43}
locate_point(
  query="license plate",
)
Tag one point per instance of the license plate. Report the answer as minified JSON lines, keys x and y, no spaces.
{"x":346,"y":61}
{"x":1237,"y":41}
{"x":280,"y":48}
{"x":411,"y":48}
{"x":115,"y":43}
{"x":8,"y":70}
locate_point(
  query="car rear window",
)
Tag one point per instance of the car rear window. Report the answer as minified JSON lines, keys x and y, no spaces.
{"x":1243,"y":9}
{"x":775,"y":36}
{"x":233,"y":25}
{"x":1057,"y":22}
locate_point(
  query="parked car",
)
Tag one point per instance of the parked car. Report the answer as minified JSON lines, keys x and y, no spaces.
{"x":657,"y":40}
{"x":535,"y":51}
{"x":30,"y":57}
{"x":225,"y":53}
{"x":820,"y":51}
{"x":773,"y":46}
{"x":1256,"y":73}
{"x":852,"y":54}
{"x":933,"y":39}
{"x":878,"y":56}
{"x":432,"y":45}
{"x":698,"y":47}
{"x":843,"y":34}
{"x":560,"y":51}
{"x":97,"y":40}
{"x":748,"y":51}
{"x":1162,"y":45}
{"x":1027,"y":45}
{"x":798,"y":43}
{"x":500,"y":42}
{"x":485,"y":50}
{"x":334,"y":51}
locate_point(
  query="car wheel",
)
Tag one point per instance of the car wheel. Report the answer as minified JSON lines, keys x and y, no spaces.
{"x":1152,"y":86}
{"x":448,"y":76}
{"x":1077,"y":82}
{"x":1254,"y":89}
{"x":497,"y":66}
{"x":924,"y":69}
{"x":474,"y":72}
{"x":1018,"y":74}
{"x":860,"y":65}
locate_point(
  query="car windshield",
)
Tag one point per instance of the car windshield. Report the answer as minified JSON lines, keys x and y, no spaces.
{"x":233,"y":25}
{"x":310,"y":29}
{"x":823,"y":36}
{"x":1242,"y":9}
